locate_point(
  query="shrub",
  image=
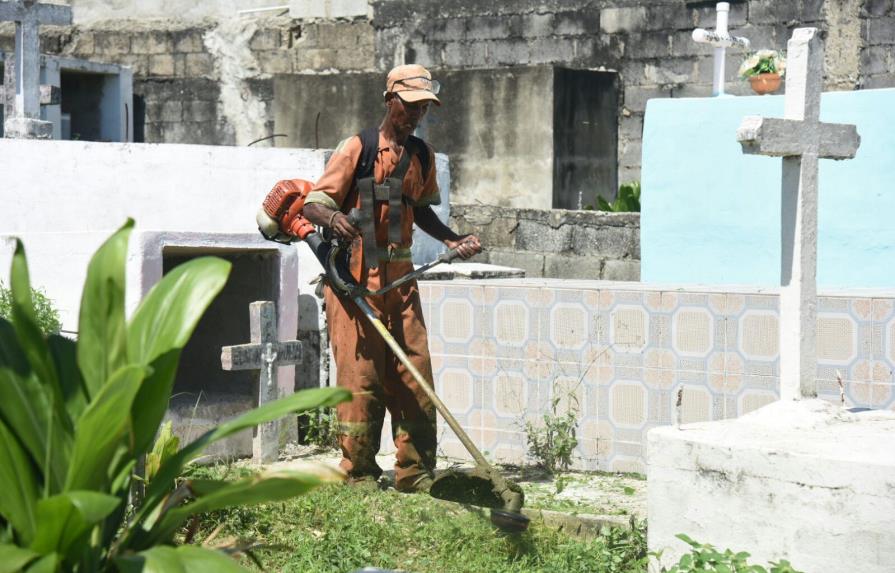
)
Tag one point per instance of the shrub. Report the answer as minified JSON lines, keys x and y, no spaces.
{"x":553,"y":443}
{"x":77,"y":417}
{"x":627,"y":200}
{"x":44,"y":311}
{"x":705,"y":558}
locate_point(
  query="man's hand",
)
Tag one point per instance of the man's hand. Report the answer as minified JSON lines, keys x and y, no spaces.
{"x":343,"y":228}
{"x":466,"y":245}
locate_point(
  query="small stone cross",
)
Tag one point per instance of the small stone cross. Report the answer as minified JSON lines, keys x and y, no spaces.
{"x":265,"y":353}
{"x":23,"y":98}
{"x":800,"y":139}
{"x":721,"y":39}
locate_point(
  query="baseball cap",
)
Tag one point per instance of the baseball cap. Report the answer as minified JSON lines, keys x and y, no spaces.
{"x":412,"y":83}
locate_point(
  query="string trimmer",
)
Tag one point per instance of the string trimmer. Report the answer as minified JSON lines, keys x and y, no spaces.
{"x":280,"y":220}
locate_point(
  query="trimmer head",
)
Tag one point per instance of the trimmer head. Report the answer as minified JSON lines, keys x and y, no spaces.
{"x":484,"y":487}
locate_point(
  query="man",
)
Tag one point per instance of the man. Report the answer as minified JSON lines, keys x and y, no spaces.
{"x":397,"y":192}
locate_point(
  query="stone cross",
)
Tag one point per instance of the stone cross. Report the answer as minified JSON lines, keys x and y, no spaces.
{"x":720,"y":39}
{"x":800,"y":139}
{"x":22,"y":109}
{"x":265,"y":353}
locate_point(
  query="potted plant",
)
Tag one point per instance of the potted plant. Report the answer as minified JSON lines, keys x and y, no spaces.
{"x":764,"y":70}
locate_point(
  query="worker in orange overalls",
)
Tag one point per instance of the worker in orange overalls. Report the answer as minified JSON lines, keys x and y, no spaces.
{"x":389,"y":176}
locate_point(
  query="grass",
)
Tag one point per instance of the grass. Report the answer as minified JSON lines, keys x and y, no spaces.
{"x":341,"y":529}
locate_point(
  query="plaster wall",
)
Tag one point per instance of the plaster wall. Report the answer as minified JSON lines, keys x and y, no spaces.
{"x":803,"y":481}
{"x":711,"y":214}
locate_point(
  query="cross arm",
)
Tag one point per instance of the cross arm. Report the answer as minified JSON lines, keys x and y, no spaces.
{"x":241,"y":357}
{"x":784,"y":138}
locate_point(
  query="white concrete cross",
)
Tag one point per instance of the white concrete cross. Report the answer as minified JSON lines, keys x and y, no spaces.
{"x":265,"y":353}
{"x":22,"y":114}
{"x":721,"y":39}
{"x":800,"y":139}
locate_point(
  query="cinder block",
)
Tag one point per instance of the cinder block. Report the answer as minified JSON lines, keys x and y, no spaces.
{"x":112,"y":43}
{"x":199,"y":111}
{"x":274,"y":62}
{"x":549,"y":50}
{"x":82,"y":43}
{"x":491,"y":27}
{"x":537,"y":25}
{"x":188,"y":41}
{"x":773,"y":12}
{"x":881,"y":31}
{"x":199,"y":64}
{"x":875,"y":60}
{"x":648,"y":45}
{"x":161,"y":65}
{"x":603,"y":241}
{"x":531,"y":263}
{"x":572,"y":267}
{"x":577,"y":23}
{"x":616,"y":20}
{"x":637,"y":96}
{"x":621,"y":270}
{"x":151,"y":43}
{"x":540,"y":237}
{"x":265,"y":39}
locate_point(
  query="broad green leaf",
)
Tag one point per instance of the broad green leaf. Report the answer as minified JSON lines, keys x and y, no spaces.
{"x":166,"y":445}
{"x":14,"y":558}
{"x":101,"y":429}
{"x":167,"y":316}
{"x":30,"y":337}
{"x":183,"y":559}
{"x":46,"y":564}
{"x":212,"y":495}
{"x":151,"y":403}
{"x":298,"y":402}
{"x":11,"y":353}
{"x":101,"y":326}
{"x":64,"y":352}
{"x":65,"y":518}
{"x":25,"y":406}
{"x":18,"y":485}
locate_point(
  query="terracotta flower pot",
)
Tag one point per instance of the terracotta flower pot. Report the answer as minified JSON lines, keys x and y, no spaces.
{"x":765,"y":83}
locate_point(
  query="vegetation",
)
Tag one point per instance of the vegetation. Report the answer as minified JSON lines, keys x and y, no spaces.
{"x":552,"y":444}
{"x":338,"y":528}
{"x":763,"y":62}
{"x":704,"y":557}
{"x":76,"y":418}
{"x":45,"y":312}
{"x":627,"y":200}
{"x":319,"y":428}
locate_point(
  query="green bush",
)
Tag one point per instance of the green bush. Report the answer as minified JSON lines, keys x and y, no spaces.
{"x":627,"y":200}
{"x":44,"y":311}
{"x":704,"y":557}
{"x":553,"y":443}
{"x":77,"y":417}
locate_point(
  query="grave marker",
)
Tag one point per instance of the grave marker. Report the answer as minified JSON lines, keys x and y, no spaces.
{"x":265,"y":353}
{"x":800,"y":139}
{"x":23,"y":91}
{"x":720,"y":39}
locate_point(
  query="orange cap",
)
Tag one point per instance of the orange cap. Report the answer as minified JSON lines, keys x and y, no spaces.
{"x":412,"y":83}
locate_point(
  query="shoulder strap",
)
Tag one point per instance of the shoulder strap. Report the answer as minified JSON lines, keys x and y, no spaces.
{"x":422,"y":152}
{"x":369,"y":139}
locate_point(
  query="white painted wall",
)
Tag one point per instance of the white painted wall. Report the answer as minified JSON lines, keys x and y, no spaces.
{"x":63,"y":198}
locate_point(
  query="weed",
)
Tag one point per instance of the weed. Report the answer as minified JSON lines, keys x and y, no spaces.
{"x":553,"y":444}
{"x":320,"y":428}
{"x":704,"y":557}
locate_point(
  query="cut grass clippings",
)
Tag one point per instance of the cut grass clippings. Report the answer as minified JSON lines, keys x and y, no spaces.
{"x":338,"y":528}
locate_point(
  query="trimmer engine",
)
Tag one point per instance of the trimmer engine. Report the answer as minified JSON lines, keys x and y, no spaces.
{"x":280,"y":218}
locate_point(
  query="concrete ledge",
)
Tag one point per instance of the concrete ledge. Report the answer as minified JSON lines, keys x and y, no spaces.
{"x":805,"y":481}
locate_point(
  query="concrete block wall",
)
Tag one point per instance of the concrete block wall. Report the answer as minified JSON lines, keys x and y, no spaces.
{"x":555,"y":243}
{"x":205,"y":71}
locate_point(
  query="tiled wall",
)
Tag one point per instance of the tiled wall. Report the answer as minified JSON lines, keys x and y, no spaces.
{"x":503,"y":350}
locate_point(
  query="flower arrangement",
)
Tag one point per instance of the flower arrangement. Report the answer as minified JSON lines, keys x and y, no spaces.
{"x":763,"y":62}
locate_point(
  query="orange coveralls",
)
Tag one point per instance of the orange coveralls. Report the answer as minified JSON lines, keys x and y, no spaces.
{"x":364,"y":363}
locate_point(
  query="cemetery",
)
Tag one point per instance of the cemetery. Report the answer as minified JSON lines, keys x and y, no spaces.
{"x":617,"y":390}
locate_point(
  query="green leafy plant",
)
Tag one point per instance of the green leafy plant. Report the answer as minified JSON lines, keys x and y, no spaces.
{"x":763,"y":62}
{"x":704,"y":557}
{"x":627,"y":200}
{"x":45,"y":312}
{"x":553,"y":443}
{"x":320,"y":428}
{"x":77,"y":417}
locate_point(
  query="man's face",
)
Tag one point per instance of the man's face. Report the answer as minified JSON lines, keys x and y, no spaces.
{"x":408,"y":115}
